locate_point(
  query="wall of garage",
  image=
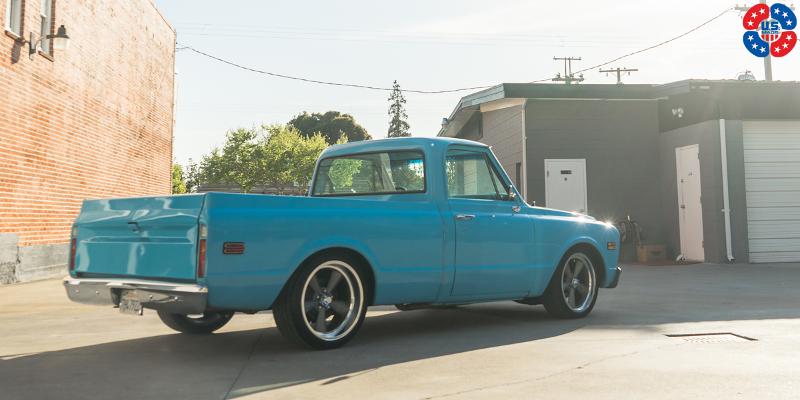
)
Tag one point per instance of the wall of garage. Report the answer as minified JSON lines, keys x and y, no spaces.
{"x":736,"y":191}
{"x":628,"y":136}
{"x":618,"y":139}
{"x":502,"y":130}
{"x":763,"y":186}
{"x":706,"y":135}
{"x":702,"y":104}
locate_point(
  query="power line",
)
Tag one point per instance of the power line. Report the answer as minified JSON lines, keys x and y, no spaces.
{"x":353,"y":85}
{"x":387,"y":89}
{"x":658,"y":44}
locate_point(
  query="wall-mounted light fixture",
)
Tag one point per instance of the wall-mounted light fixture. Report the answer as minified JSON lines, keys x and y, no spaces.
{"x":60,"y":41}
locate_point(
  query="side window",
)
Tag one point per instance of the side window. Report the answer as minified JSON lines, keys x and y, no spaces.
{"x":470,"y":175}
{"x":14,"y":17}
{"x":371,"y":173}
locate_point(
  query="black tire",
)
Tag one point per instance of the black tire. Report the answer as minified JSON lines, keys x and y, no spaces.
{"x":337,"y":309}
{"x":583,"y":287}
{"x":209,"y":322}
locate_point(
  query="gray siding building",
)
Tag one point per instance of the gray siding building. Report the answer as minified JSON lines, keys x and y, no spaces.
{"x":709,"y":169}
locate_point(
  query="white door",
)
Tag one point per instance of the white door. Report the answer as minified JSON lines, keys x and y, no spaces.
{"x":690,"y":210}
{"x":772,"y":184}
{"x":565,"y":184}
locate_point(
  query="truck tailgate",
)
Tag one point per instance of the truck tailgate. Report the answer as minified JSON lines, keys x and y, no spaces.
{"x":145,"y":237}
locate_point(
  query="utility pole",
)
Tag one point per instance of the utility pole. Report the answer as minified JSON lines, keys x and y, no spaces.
{"x":568,"y":77}
{"x":619,"y":71}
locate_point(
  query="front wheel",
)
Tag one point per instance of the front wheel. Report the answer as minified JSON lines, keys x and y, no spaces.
{"x":324,"y":305}
{"x":196,"y":324}
{"x":572,"y":292}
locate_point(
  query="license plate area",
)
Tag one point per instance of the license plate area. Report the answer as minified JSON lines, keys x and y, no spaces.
{"x":129,"y":303}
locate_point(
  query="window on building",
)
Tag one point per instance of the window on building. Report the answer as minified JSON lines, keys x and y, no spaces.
{"x":14,"y":17}
{"x":46,"y":29}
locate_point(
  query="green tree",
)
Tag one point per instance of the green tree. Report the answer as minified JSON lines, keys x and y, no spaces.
{"x":332,"y":125}
{"x":271,"y":155}
{"x":288,"y":158}
{"x":178,"y":184}
{"x":192,"y":176}
{"x":398,"y":126}
{"x":306,"y":157}
{"x":238,"y":162}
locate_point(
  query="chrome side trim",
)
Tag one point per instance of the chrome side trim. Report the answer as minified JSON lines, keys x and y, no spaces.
{"x":179,"y":298}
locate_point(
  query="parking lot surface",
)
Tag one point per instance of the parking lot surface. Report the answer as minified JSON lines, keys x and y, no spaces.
{"x":53,"y":349}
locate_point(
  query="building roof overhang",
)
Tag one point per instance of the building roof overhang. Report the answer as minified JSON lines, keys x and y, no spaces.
{"x":496,"y":96}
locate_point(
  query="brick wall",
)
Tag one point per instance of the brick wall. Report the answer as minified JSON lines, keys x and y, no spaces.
{"x":93,"y":121}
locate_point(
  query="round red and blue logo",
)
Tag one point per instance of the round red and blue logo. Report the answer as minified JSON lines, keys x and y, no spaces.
{"x":770,"y":30}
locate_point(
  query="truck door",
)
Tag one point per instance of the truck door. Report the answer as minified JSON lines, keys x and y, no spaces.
{"x":492,"y":239}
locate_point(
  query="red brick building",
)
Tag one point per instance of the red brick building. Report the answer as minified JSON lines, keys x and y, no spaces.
{"x":92,"y":121}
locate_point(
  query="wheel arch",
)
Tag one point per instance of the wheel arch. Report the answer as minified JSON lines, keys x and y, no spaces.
{"x":591,"y":250}
{"x":363,"y":265}
{"x":594,"y":254}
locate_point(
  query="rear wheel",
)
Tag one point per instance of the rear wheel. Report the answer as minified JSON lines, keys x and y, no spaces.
{"x":196,"y":324}
{"x":572,"y":292}
{"x":324,"y":305}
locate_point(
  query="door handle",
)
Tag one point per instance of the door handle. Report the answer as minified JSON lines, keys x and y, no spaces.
{"x":464,"y":217}
{"x":516,"y":209}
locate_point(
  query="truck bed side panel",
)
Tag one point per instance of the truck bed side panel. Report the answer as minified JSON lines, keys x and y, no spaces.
{"x":400,"y":236}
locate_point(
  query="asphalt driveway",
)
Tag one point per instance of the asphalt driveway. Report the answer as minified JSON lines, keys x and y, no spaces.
{"x":52,"y":349}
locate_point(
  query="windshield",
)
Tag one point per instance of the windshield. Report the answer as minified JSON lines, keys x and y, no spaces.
{"x":371,"y":173}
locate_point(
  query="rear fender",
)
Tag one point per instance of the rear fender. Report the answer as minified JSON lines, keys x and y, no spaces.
{"x":313,"y":247}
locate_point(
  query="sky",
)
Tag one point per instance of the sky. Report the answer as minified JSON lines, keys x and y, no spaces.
{"x":425,"y":45}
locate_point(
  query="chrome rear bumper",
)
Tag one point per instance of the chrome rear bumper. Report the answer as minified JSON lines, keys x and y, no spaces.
{"x":178,"y":298}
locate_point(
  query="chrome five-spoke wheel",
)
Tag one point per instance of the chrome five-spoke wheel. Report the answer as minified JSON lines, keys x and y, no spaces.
{"x":325,"y":304}
{"x":573,"y":290}
{"x":577,"y":282}
{"x":332,"y":298}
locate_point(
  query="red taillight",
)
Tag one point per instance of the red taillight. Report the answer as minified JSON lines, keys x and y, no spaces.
{"x":201,"y":259}
{"x":73,"y":244}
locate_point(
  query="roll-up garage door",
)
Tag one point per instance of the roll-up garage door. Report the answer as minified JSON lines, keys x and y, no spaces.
{"x":772,"y":182}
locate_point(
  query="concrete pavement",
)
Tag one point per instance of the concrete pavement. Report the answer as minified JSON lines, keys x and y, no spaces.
{"x":52,"y":349}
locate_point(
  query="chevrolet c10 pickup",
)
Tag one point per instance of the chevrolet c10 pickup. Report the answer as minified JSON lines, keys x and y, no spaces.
{"x":410,"y":222}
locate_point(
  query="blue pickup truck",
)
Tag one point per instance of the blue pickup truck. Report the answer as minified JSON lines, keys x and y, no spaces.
{"x":411,"y":222}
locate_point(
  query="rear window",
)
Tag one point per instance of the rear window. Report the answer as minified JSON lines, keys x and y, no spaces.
{"x":390,"y":172}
